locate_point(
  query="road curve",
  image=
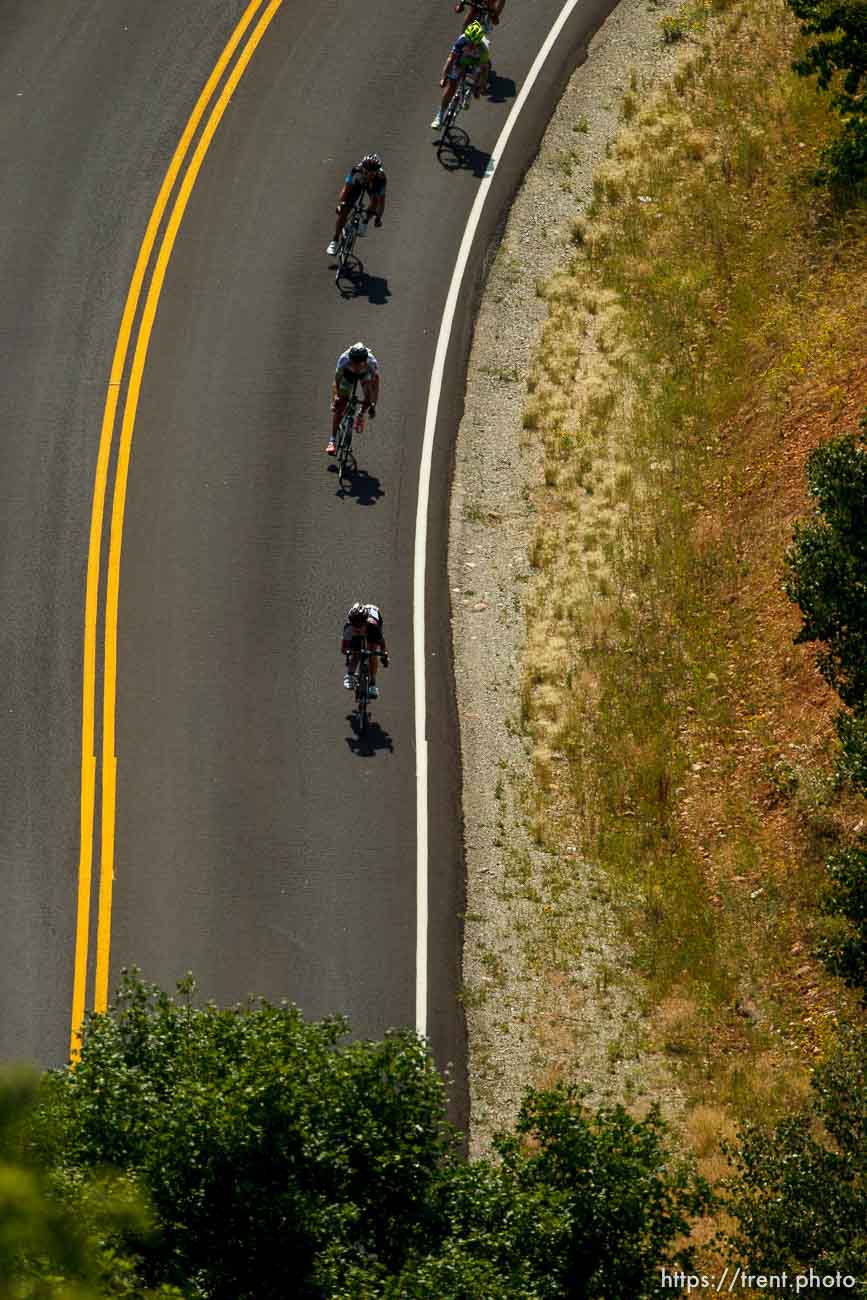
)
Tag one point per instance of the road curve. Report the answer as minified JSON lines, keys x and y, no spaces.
{"x":255,"y":842}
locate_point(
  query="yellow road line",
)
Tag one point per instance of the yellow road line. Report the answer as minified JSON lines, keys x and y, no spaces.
{"x":88,"y":756}
{"x":109,"y":758}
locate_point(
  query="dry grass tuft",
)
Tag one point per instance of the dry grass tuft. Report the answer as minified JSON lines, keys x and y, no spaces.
{"x":707,"y":1126}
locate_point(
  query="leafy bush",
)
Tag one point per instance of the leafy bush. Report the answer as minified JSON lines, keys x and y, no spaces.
{"x":674,"y":28}
{"x":283,"y":1162}
{"x":827,"y":566}
{"x":845,"y":953}
{"x":799,"y":1194}
{"x":261,"y":1143}
{"x":582,"y":1204}
{"x":60,"y":1231}
{"x":852,"y":734}
{"x":841,"y":26}
{"x":622,"y":1197}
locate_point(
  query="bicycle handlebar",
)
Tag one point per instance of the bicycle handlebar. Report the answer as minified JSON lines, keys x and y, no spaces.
{"x":360,"y":401}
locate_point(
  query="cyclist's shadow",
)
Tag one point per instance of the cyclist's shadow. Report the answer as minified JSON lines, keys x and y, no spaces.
{"x":355,"y":282}
{"x":455,"y":153}
{"x":366,"y":744}
{"x":359,"y":484}
{"x":376,"y":288}
{"x":500,"y":89}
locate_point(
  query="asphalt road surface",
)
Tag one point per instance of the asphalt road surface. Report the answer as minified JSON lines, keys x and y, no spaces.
{"x":256,"y":841}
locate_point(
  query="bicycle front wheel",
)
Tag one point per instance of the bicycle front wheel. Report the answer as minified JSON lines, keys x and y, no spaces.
{"x":350,"y":234}
{"x":451,"y":113}
{"x":344,"y":441}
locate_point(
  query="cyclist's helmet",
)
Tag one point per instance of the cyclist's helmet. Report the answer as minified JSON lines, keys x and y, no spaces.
{"x":371,"y":162}
{"x":358,"y":352}
{"x":358,"y":614}
{"x":475,"y":33}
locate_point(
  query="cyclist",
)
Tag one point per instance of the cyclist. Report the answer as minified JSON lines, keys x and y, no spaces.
{"x":366,"y":177}
{"x":469,"y":54}
{"x":363,"y":628}
{"x":357,"y":365}
{"x":491,"y":9}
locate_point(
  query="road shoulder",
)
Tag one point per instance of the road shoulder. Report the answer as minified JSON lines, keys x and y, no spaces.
{"x":533,"y":1013}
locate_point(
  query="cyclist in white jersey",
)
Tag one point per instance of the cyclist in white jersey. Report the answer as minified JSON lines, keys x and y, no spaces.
{"x":356,"y":365}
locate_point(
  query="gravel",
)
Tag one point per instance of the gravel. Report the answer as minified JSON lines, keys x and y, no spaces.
{"x":532,"y":1017}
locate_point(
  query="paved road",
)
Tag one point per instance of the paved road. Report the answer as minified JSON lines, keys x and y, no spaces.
{"x":256,"y":842}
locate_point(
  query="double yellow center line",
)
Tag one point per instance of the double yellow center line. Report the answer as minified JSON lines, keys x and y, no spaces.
{"x":236,"y":62}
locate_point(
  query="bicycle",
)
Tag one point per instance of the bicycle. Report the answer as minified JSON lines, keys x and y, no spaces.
{"x":459,"y":102}
{"x":362,"y":687}
{"x":348,"y":235}
{"x":352,"y":421}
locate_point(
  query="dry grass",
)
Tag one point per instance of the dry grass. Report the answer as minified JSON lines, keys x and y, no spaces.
{"x":709,"y":332}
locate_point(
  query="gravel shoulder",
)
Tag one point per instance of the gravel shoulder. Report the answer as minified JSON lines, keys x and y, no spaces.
{"x":535,"y":1013}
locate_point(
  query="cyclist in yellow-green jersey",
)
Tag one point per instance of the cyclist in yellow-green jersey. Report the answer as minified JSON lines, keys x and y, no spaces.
{"x":469,"y":55}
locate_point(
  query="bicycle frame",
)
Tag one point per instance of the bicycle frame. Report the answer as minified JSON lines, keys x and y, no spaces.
{"x":350,"y":421}
{"x":362,"y":685}
{"x":348,"y":235}
{"x":459,"y":100}
{"x":467,"y":88}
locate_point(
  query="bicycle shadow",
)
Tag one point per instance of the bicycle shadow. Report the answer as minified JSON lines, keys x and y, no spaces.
{"x":354,"y":282}
{"x":348,"y":275}
{"x":500,"y":88}
{"x":357,"y":483}
{"x":370,"y":742}
{"x":455,"y":153}
{"x":359,"y":285}
{"x":376,"y":288}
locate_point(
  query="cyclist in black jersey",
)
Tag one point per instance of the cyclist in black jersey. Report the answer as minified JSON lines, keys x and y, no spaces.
{"x":366,"y":177}
{"x":363,"y":628}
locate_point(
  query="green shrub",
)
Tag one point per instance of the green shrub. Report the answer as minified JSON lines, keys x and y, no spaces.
{"x":839,"y":60}
{"x":674,"y":28}
{"x":827,"y":578}
{"x":799,"y":1193}
{"x":63,"y":1234}
{"x":845,"y":953}
{"x":282,"y":1161}
{"x":260,"y":1137}
{"x":852,"y":734}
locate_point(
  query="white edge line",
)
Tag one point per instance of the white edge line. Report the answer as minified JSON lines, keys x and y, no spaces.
{"x":421,"y":516}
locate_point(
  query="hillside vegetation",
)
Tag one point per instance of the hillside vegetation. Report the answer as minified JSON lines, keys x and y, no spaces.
{"x":695,"y":693}
{"x":709,"y":334}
